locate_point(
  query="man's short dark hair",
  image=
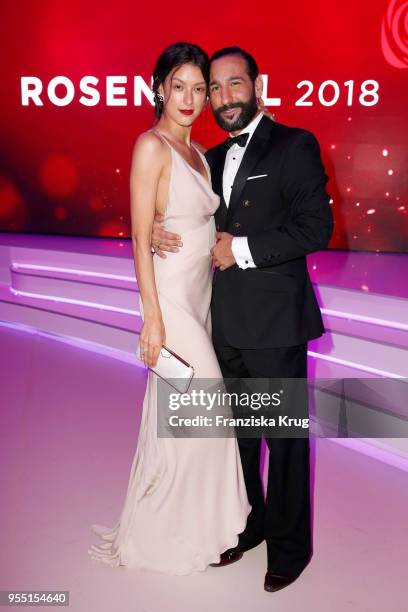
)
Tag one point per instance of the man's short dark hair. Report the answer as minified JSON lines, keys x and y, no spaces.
{"x":253,"y":70}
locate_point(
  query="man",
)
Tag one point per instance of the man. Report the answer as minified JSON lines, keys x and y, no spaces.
{"x":274,"y":210}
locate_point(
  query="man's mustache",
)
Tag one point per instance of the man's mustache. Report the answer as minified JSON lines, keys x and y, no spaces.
{"x":227,"y":107}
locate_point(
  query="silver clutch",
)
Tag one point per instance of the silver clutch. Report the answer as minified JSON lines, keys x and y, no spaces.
{"x":172,"y":368}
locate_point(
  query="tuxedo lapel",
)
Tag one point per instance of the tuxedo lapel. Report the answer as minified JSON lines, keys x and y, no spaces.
{"x":253,"y":154}
{"x":217,"y":170}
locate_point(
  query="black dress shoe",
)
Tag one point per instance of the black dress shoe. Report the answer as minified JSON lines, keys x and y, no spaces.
{"x":276,"y":582}
{"x":228,"y":556}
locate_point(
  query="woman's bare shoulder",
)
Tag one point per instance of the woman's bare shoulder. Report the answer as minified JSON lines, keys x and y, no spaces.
{"x":150,"y":144}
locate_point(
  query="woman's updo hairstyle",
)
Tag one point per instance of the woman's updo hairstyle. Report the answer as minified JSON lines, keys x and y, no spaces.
{"x":176,"y":55}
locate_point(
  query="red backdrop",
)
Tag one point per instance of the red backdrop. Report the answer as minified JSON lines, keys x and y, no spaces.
{"x":65,"y":168}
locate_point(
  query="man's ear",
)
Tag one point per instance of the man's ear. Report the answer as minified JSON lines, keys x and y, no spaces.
{"x":258,"y":86}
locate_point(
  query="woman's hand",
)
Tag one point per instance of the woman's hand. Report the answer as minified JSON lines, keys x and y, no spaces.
{"x":261,"y":106}
{"x":152,"y":338}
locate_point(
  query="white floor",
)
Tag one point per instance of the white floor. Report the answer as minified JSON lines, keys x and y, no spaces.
{"x":69,"y":422}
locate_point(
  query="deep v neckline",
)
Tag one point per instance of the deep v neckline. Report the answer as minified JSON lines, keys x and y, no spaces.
{"x":206,"y":180}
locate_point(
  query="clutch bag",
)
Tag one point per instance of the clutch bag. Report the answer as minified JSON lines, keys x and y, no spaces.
{"x":172,"y":368}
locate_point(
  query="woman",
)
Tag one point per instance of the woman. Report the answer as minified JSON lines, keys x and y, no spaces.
{"x":186,"y":501}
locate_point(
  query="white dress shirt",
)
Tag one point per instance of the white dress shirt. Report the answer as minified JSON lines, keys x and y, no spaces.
{"x":239,"y":245}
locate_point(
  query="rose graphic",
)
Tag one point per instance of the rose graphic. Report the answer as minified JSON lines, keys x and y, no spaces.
{"x":394,"y":34}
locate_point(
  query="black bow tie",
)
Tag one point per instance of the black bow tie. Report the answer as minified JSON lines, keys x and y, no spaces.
{"x":240,"y":140}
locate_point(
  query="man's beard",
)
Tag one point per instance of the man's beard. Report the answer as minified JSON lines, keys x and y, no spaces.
{"x":248,"y":112}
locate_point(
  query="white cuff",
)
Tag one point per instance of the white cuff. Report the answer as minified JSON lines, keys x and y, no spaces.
{"x":241,"y":252}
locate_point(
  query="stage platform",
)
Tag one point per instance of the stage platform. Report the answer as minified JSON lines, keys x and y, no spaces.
{"x":83,"y":291}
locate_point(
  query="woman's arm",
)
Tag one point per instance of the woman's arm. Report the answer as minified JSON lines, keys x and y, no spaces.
{"x":148,"y":161}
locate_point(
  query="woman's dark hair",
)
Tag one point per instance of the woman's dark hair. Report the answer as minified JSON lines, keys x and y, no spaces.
{"x":253,"y":70}
{"x":176,"y":55}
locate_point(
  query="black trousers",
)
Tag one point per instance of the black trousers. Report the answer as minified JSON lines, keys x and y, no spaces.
{"x":283,"y":518}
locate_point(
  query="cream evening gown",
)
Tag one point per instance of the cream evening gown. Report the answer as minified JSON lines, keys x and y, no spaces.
{"x":186,"y":500}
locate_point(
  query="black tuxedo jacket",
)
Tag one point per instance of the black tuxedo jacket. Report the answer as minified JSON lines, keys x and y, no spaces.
{"x":285,"y":215}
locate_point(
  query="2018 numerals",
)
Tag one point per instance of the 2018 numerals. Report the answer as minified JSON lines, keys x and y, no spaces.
{"x":330,"y":92}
